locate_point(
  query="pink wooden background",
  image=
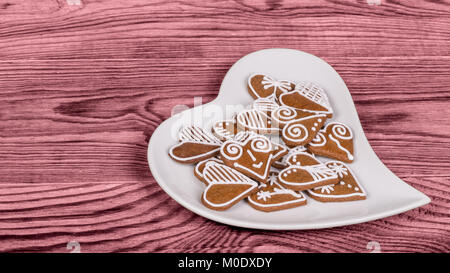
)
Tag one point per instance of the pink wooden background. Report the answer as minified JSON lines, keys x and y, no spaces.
{"x":83,"y":84}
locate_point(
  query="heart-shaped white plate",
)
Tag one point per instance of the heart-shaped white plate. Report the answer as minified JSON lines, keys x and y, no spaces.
{"x":387,"y":194}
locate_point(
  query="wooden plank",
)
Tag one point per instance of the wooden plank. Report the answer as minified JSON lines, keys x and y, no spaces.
{"x":183,"y":29}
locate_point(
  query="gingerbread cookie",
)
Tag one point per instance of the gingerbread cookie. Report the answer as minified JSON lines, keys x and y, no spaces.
{"x":200,"y":166}
{"x":225,"y":129}
{"x":305,"y":172}
{"x":307,"y":97}
{"x":252,"y":157}
{"x":256,"y":121}
{"x":347,"y":189}
{"x":263,"y":86}
{"x":195,"y":145}
{"x":272,"y":196}
{"x":302,"y":131}
{"x":226,"y":186}
{"x":334,"y":141}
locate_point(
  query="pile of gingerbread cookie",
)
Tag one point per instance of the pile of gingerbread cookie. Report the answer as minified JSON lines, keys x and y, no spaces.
{"x":267,"y":153}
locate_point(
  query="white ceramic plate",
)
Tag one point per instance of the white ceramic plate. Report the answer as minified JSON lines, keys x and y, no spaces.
{"x":387,"y":194}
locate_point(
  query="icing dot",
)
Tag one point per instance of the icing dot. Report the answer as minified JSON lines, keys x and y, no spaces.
{"x":226,"y":123}
{"x":315,"y":124}
{"x":289,"y":171}
{"x":342,"y":183}
{"x":268,"y":122}
{"x":319,"y":120}
{"x":298,"y":163}
{"x":313,"y":128}
{"x":285,"y":174}
{"x":294,"y":170}
{"x":349,"y":186}
{"x":356,"y":189}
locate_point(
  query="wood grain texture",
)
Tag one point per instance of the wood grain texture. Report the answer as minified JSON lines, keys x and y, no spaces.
{"x":84,"y":86}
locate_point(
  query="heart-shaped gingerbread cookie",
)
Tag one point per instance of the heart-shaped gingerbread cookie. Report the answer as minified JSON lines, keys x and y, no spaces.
{"x":305,"y":172}
{"x":195,"y":145}
{"x":226,"y":186}
{"x":263,"y":86}
{"x":347,"y":189}
{"x":307,"y":97}
{"x":252,"y":157}
{"x":334,"y":141}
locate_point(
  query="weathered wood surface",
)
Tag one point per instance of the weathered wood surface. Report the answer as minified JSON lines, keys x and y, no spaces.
{"x":84,"y":86}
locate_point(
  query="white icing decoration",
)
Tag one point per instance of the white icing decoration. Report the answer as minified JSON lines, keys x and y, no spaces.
{"x":284,"y":114}
{"x":292,"y":151}
{"x":255,"y":120}
{"x":340,"y":130}
{"x":295,"y":132}
{"x":196,"y":169}
{"x":268,"y":82}
{"x":338,"y":168}
{"x":262,"y":145}
{"x":319,"y":139}
{"x":257,"y":166}
{"x":233,"y":150}
{"x":313,"y":92}
{"x":196,"y":134}
{"x":327,"y":188}
{"x":223,"y":132}
{"x":265,"y":105}
{"x":349,"y":155}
